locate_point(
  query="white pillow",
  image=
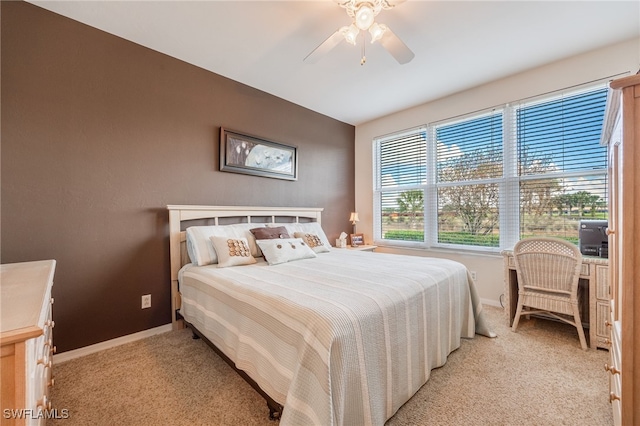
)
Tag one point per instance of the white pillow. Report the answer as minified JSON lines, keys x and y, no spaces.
{"x":232,"y":251}
{"x":306,"y":227}
{"x":313,"y":241}
{"x":283,"y":250}
{"x":200,"y":247}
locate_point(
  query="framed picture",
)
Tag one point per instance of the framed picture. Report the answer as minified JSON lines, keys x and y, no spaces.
{"x":356,"y":240}
{"x":251,"y":155}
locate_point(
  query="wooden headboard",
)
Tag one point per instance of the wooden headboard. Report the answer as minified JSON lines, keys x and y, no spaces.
{"x":179,"y":215}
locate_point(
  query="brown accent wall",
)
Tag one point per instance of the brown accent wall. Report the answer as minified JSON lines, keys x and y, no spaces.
{"x":100,"y":134}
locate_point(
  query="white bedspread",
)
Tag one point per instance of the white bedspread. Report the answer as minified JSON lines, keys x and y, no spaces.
{"x":342,"y":339}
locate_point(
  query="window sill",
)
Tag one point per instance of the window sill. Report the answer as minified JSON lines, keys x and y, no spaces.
{"x":383,"y":245}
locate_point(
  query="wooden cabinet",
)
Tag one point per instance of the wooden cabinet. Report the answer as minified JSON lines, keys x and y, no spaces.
{"x":593,"y":292}
{"x":621,"y":133}
{"x":599,"y":301}
{"x":26,"y":341}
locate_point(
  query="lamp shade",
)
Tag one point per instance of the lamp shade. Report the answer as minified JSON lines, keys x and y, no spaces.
{"x":350,"y":33}
{"x":354,"y":217}
{"x":377,"y":31}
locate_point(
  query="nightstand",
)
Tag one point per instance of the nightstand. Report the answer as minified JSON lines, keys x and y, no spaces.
{"x":363,"y":248}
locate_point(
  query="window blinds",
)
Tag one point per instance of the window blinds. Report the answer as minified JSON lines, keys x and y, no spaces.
{"x":403,"y":160}
{"x":401,"y":173}
{"x":469,"y":155}
{"x":487,"y":179}
{"x":562,"y":131}
{"x":470,"y":150}
{"x":561,"y":165}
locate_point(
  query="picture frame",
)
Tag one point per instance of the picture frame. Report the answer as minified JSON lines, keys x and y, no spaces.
{"x":252,"y":155}
{"x":356,"y":240}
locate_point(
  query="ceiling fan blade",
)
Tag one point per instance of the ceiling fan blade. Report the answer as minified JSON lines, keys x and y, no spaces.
{"x":396,"y":47}
{"x":333,"y":40}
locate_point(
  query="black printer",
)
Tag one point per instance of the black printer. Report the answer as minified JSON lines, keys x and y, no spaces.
{"x":593,"y":238}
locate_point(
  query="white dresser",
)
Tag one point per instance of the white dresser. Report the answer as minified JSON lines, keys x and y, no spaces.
{"x":26,"y":341}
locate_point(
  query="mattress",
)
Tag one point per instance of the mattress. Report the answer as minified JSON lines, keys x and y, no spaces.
{"x":341,"y":339}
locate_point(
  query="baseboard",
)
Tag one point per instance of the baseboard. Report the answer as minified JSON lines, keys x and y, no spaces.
{"x":77,"y":353}
{"x":491,"y":302}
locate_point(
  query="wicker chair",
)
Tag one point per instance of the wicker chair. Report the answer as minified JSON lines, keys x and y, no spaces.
{"x":548,"y":270}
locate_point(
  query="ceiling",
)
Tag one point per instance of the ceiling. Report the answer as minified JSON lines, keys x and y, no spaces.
{"x":458,"y":44}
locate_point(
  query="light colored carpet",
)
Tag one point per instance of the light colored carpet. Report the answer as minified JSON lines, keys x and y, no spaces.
{"x":538,"y":376}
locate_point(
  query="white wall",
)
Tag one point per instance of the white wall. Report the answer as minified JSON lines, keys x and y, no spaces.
{"x":595,"y":65}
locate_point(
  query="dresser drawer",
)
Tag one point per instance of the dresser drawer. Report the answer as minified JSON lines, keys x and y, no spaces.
{"x":603,"y":316}
{"x":39,"y":364}
{"x":602,"y":283}
{"x":615,"y":378}
{"x":584,"y":268}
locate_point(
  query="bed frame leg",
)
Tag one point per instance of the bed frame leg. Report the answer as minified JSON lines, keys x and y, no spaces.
{"x":194,"y":336}
{"x":274,"y":412}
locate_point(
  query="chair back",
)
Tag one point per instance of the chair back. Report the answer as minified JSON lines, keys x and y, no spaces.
{"x":548,"y":264}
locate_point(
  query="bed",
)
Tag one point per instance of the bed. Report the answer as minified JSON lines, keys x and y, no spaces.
{"x":328,"y":336}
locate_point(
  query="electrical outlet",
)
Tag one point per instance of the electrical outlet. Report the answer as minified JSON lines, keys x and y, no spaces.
{"x":146,"y":301}
{"x":473,"y":276}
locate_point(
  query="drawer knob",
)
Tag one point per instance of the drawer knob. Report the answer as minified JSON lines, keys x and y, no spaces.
{"x":607,"y":342}
{"x":50,"y":323}
{"x":607,"y":323}
{"x":52,"y":349}
{"x":613,"y":397}
{"x":47,"y":364}
{"x":609,"y":231}
{"x":611,"y":369}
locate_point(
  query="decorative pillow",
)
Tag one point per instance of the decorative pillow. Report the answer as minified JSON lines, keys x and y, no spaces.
{"x":285,"y":250}
{"x":270,"y":233}
{"x":200,"y":247}
{"x":308,"y":228}
{"x":232,"y":251}
{"x":313,"y":241}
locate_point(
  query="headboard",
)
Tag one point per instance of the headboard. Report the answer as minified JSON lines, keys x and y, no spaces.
{"x":179,"y":214}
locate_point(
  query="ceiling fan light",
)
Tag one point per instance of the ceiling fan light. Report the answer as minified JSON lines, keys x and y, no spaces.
{"x":364,"y":16}
{"x":377,"y":31}
{"x":350,"y":33}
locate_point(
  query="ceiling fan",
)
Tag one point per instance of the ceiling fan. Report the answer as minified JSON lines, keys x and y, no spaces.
{"x":363,"y":13}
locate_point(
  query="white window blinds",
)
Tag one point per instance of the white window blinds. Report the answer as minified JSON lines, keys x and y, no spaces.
{"x":470,"y":150}
{"x":561,"y":166}
{"x":469,"y":155}
{"x":403,"y":160}
{"x":487,"y":179}
{"x":401,"y":175}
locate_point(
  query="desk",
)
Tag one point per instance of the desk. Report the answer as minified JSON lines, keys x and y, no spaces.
{"x":594,"y":285}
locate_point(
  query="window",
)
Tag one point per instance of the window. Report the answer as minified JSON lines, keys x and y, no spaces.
{"x":485,"y":180}
{"x":561,"y":166}
{"x":469,"y":158}
{"x":401,"y":170}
